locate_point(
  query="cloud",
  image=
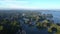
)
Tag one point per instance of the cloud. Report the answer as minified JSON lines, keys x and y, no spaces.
{"x":28,"y":4}
{"x":13,"y":4}
{"x":16,"y":5}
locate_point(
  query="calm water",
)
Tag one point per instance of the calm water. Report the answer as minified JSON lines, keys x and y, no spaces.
{"x":56,"y":15}
{"x":34,"y":30}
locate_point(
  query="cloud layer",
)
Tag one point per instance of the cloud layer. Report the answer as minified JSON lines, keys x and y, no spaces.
{"x":29,"y":4}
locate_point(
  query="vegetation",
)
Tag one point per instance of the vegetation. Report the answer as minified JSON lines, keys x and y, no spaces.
{"x":11,"y":24}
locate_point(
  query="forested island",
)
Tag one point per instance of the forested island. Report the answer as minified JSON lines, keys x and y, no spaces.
{"x":21,"y":21}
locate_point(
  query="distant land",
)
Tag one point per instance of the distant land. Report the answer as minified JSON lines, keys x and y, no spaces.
{"x":55,"y":13}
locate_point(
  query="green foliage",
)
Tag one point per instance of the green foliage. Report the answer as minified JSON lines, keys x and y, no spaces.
{"x":1,"y":27}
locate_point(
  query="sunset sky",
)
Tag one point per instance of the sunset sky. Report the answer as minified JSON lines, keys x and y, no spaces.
{"x":29,"y":4}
